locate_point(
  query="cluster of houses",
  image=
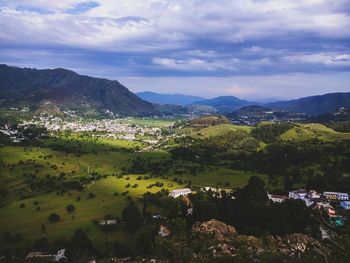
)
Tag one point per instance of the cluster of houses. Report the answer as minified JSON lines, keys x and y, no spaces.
{"x":186,"y":191}
{"x":325,"y":201}
{"x":254,"y":117}
{"x":311,"y":197}
{"x":111,"y":126}
{"x":14,"y":134}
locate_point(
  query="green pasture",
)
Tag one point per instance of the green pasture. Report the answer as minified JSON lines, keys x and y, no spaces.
{"x":28,"y":220}
{"x":219,"y":130}
{"x":313,"y":131}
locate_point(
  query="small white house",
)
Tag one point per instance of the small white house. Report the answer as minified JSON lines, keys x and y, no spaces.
{"x":277,"y":198}
{"x":336,"y":196}
{"x":60,"y":256}
{"x":314,"y":195}
{"x":164,"y":231}
{"x":298,"y":194}
{"x":345,"y":204}
{"x":180,"y":192}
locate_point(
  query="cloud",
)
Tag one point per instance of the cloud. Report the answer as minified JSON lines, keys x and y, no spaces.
{"x":178,"y":38}
{"x":194,"y":64}
{"x":175,"y":21}
{"x":328,"y":59}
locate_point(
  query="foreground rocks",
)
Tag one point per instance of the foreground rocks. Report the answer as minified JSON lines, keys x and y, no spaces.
{"x":225,"y":242}
{"x":215,"y":241}
{"x":218,"y":229}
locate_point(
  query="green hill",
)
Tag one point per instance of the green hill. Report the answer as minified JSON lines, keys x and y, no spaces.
{"x":206,"y":121}
{"x":219,"y":130}
{"x":313,"y":131}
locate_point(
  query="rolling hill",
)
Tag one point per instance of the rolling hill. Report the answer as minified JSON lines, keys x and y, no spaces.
{"x":224,"y":104}
{"x":311,"y":131}
{"x":69,"y":91}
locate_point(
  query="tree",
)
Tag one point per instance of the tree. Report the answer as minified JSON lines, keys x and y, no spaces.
{"x":18,"y":237}
{"x":204,"y":210}
{"x":145,"y":241}
{"x":54,"y":218}
{"x":79,"y":244}
{"x":7,"y":237}
{"x":70,"y":208}
{"x":254,"y":192}
{"x":41,"y":244}
{"x":132,"y":217}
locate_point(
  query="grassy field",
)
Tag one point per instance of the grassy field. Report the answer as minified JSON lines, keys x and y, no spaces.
{"x":40,"y":161}
{"x":109,"y":158}
{"x":312,"y":131}
{"x":219,"y":130}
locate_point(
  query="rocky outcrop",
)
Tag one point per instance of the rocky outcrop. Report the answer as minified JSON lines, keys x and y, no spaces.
{"x":298,"y":244}
{"x":218,"y":239}
{"x":218,"y":229}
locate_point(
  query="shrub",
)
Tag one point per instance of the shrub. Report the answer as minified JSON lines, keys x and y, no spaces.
{"x":18,"y":237}
{"x":70,"y":208}
{"x":22,"y":205}
{"x":54,"y":218}
{"x":91,"y":195}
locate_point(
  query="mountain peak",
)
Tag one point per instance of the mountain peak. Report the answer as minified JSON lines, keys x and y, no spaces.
{"x":69,"y":90}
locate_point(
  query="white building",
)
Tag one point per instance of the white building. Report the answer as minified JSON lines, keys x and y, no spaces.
{"x":336,"y":196}
{"x":59,"y":257}
{"x":180,"y":192}
{"x":298,"y":194}
{"x":277,"y":198}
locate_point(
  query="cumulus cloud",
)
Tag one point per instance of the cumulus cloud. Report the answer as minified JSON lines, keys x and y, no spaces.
{"x":158,"y":38}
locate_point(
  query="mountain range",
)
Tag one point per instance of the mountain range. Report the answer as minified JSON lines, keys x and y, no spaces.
{"x":175,"y":99}
{"x":313,"y":105}
{"x":68,"y":90}
{"x":89,"y":96}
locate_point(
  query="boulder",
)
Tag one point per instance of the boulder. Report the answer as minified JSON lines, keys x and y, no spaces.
{"x":218,"y":229}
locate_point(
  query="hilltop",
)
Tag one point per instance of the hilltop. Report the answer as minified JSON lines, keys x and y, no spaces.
{"x":224,"y":103}
{"x":206,"y":121}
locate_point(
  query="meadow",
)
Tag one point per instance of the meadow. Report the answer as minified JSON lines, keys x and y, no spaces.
{"x":111,"y":192}
{"x":38,"y":181}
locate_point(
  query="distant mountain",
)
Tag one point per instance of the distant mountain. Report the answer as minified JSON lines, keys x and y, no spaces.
{"x":68,"y":91}
{"x":171,"y":109}
{"x":252,"y":110}
{"x":224,"y":104}
{"x":314,"y":105}
{"x":175,"y":99}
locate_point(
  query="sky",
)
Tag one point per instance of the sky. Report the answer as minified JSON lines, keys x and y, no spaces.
{"x":253,"y":49}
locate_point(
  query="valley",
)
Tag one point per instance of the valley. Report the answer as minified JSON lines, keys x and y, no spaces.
{"x":101,"y":167}
{"x":89,"y":171}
